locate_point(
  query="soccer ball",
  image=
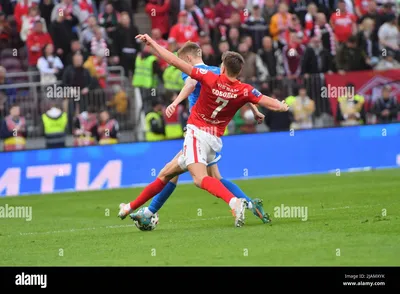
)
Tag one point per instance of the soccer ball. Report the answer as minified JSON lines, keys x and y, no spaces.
{"x":145,"y":223}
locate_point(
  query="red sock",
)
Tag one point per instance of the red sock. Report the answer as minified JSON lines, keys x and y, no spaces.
{"x":149,"y":192}
{"x":216,"y":188}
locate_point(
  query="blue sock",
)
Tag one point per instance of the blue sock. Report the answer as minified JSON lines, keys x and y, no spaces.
{"x":235,"y":190}
{"x":159,"y":200}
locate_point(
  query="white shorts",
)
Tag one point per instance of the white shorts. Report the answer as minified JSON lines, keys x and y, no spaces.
{"x":199,"y":147}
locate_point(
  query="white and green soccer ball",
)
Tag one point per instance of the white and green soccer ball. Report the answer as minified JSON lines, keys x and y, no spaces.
{"x":145,"y":223}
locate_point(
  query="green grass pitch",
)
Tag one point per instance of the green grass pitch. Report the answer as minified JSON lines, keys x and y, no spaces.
{"x":353,"y":220}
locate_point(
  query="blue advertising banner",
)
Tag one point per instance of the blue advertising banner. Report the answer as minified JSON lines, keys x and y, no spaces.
{"x":244,"y":156}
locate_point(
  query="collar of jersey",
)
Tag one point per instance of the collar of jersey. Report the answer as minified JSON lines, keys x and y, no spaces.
{"x":199,"y":64}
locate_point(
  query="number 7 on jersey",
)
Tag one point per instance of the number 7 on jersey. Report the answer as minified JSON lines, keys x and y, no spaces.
{"x":219,"y":108}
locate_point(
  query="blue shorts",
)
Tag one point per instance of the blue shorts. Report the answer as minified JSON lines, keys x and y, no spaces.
{"x":217,"y":158}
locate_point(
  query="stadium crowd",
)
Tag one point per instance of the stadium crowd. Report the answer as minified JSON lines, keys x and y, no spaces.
{"x":286,"y":45}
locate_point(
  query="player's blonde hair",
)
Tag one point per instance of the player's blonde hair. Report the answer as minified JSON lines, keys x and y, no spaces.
{"x":190,"y":48}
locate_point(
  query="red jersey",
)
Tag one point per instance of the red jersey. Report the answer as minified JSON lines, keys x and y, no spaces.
{"x":219,"y":100}
{"x":183,"y":33}
{"x":343,"y":25}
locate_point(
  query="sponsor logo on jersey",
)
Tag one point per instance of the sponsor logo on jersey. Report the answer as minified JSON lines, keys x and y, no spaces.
{"x":203,"y":71}
{"x":256,"y":93}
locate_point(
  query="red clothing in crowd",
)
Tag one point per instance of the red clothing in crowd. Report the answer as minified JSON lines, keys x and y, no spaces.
{"x":35,"y":43}
{"x":181,"y":34}
{"x":362,"y":5}
{"x":223,"y":12}
{"x":209,"y":15}
{"x":159,"y":16}
{"x":20,"y":10}
{"x":342,"y":24}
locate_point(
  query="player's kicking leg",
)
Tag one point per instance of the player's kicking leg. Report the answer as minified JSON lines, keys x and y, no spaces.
{"x":255,"y":205}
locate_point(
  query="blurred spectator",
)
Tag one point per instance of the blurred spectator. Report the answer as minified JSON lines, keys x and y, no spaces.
{"x":45,"y":8}
{"x":107,"y":129}
{"x":109,"y":20}
{"x":147,"y":69}
{"x":272,"y":60}
{"x":269,"y":10}
{"x":85,"y":128}
{"x":49,"y":66}
{"x":35,"y":42}
{"x":222,"y":48}
{"x":223,"y":11}
{"x":366,"y":42}
{"x":292,"y":56}
{"x":277,"y":121}
{"x":256,"y":27}
{"x":155,"y":123}
{"x":343,"y":22}
{"x":119,"y":102}
{"x":62,"y":35}
{"x":159,"y":15}
{"x":243,"y":10}
{"x":324,"y":31}
{"x":195,"y":16}
{"x":296,"y":27}
{"x":386,"y":107}
{"x":183,"y":32}
{"x":98,"y":42}
{"x":75,"y":75}
{"x":302,"y":108}
{"x":97,"y":67}
{"x":157,"y":36}
{"x":361,"y":7}
{"x":209,"y":18}
{"x":388,"y":61}
{"x":75,"y":48}
{"x":371,"y":12}
{"x":5,"y":31}
{"x":54,"y":126}
{"x":173,"y":83}
{"x":209,"y":57}
{"x":85,"y":9}
{"x":8,"y":95}
{"x":310,"y":18}
{"x":350,"y":110}
{"x":316,"y":58}
{"x":245,"y":122}
{"x":351,"y":58}
{"x":21,"y":9}
{"x":89,"y":33}
{"x":280,"y":23}
{"x":125,"y":44}
{"x":68,"y":8}
{"x":389,"y":36}
{"x":299,"y":8}
{"x":28,"y":21}
{"x":234,"y":39}
{"x":7,"y":6}
{"x":13,"y":130}
{"x":249,"y":70}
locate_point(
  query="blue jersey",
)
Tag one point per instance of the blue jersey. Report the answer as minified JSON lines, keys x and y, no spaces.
{"x":196,"y":92}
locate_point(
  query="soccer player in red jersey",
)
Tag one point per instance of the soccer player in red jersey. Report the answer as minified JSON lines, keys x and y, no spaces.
{"x":221,"y":96}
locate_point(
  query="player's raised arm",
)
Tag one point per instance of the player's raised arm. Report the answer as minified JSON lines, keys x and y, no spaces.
{"x":168,"y":56}
{"x":273,"y":104}
{"x":187,"y":89}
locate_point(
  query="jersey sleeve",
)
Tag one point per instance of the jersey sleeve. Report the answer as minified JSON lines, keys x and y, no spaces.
{"x":184,"y":76}
{"x":203,"y":76}
{"x":254,"y":95}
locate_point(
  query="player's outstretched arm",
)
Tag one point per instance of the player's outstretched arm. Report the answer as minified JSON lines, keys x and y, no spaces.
{"x":273,"y":104}
{"x":187,"y":89}
{"x":257,"y":114}
{"x":168,"y":56}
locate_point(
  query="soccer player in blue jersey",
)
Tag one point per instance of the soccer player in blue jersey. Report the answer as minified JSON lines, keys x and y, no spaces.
{"x":191,"y":90}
